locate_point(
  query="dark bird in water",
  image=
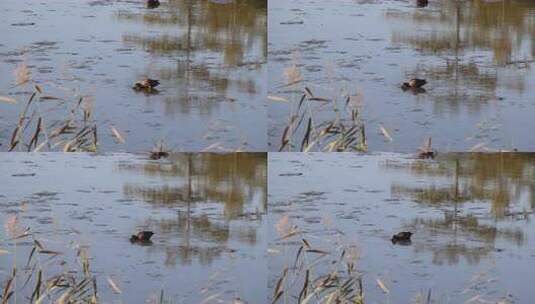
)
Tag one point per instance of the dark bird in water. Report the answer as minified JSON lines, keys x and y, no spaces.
{"x":428,"y":154}
{"x":414,"y":83}
{"x":159,"y":152}
{"x":153,"y":3}
{"x":426,"y":151}
{"x":422,"y":3}
{"x":155,"y":155}
{"x":403,"y":238}
{"x":142,"y":237}
{"x":146,"y":85}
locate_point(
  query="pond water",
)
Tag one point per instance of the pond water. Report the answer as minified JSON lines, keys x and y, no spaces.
{"x":475,"y":55}
{"x":207,"y":212}
{"x":470,"y":215}
{"x":210,"y":58}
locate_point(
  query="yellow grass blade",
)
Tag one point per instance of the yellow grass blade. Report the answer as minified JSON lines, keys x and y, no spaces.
{"x":386,"y":134}
{"x":277,"y":98}
{"x":114,"y":286}
{"x":117,"y":135}
{"x":382,"y":286}
{"x":7,"y":99}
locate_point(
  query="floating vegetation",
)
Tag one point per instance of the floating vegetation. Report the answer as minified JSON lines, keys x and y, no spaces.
{"x":118,"y":137}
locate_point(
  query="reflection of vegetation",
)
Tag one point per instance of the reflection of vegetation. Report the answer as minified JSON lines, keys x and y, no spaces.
{"x":458,"y":229}
{"x":459,"y":27}
{"x":200,"y":237}
{"x":235,"y":31}
{"x":465,"y":84}
{"x":231,"y":180}
{"x":502,"y":180}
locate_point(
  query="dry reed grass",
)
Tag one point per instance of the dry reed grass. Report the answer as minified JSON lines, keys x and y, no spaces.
{"x":319,"y":274}
{"x":37,"y":278}
{"x":75,"y":132}
{"x":303,"y":133}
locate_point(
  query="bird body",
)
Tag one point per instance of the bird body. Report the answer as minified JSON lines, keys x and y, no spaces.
{"x":427,"y":154}
{"x":422,"y":3}
{"x":159,"y":152}
{"x":153,"y":3}
{"x":426,"y":151}
{"x":403,"y":237}
{"x":414,"y":83}
{"x":155,"y":155}
{"x":141,"y":237}
{"x":146,"y":85}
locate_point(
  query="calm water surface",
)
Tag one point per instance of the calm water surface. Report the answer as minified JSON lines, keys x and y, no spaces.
{"x":475,"y":55}
{"x":208,"y":55}
{"x":207,"y":212}
{"x":470,"y":215}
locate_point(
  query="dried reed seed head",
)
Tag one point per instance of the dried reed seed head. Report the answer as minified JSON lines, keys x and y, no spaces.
{"x":22,"y":74}
{"x":292,"y":74}
{"x":12,"y":226}
{"x":284,"y":226}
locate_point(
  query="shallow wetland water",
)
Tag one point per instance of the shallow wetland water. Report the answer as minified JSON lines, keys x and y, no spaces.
{"x":470,"y":214}
{"x":210,"y":58}
{"x":476,"y":56}
{"x":206,"y":210}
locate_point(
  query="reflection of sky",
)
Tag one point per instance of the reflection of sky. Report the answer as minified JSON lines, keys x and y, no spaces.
{"x":468,"y":102}
{"x":212,"y":93}
{"x":80,"y":199}
{"x":451,"y":242}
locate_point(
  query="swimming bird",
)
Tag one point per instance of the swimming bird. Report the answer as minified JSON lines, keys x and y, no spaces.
{"x":155,"y":155}
{"x":428,"y":154}
{"x":159,"y":152}
{"x":238,"y":301}
{"x":153,"y":3}
{"x":403,"y":238}
{"x":422,"y":3}
{"x":142,"y":237}
{"x":414,"y":83}
{"x":426,"y":151}
{"x":146,"y":85}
